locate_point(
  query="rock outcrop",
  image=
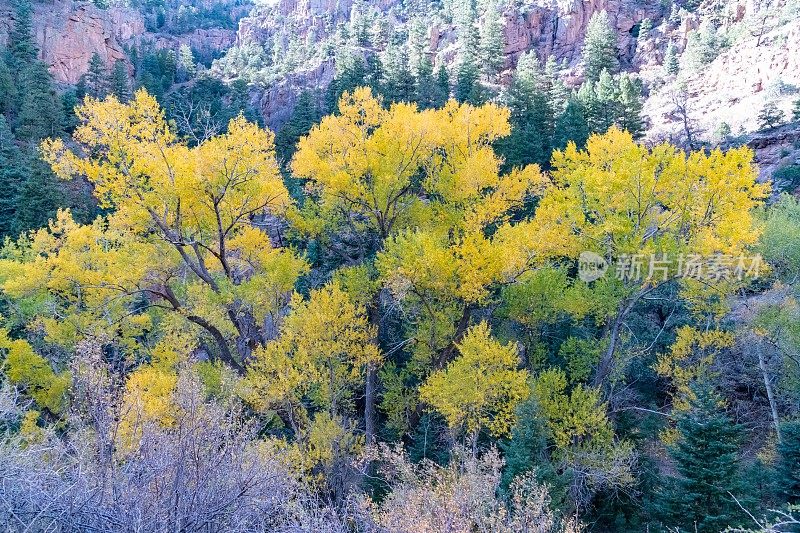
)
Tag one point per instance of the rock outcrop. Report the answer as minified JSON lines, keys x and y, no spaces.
{"x":69,"y":33}
{"x":731,"y":89}
{"x":558,"y":29}
{"x":776,"y":148}
{"x":550,"y":28}
{"x":728,"y":94}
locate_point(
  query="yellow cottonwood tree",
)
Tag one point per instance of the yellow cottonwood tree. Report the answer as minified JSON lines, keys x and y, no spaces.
{"x":376,"y":171}
{"x":624,"y":201}
{"x":318,"y":360}
{"x":583,"y":435}
{"x":689,"y":360}
{"x":481,"y":387}
{"x":182,"y":239}
{"x":423,"y":190}
{"x":33,"y":374}
{"x":577,"y":417}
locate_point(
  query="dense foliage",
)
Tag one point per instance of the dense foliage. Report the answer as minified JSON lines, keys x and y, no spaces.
{"x":427,"y":303}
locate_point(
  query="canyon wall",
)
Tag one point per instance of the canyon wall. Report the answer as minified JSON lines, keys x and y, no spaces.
{"x":69,"y":32}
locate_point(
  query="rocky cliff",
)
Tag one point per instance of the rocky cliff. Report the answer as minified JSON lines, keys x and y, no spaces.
{"x":69,"y":32}
{"x":724,"y":95}
{"x":550,"y":28}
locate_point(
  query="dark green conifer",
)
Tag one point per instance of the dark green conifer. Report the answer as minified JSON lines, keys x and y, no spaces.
{"x":706,"y":459}
{"x":788,"y":464}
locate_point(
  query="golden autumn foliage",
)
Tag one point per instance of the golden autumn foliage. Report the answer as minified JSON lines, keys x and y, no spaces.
{"x":576,"y":417}
{"x":148,"y":399}
{"x":385,"y":170}
{"x":689,"y":360}
{"x":321,"y":354}
{"x":138,"y":166}
{"x":422,"y":282}
{"x":181,"y":239}
{"x":646,"y":211}
{"x":619,"y":197}
{"x":423,"y":189}
{"x":33,"y":374}
{"x":481,"y":387}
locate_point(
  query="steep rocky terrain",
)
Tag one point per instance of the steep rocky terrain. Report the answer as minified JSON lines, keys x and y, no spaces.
{"x":69,"y":32}
{"x":295,"y":37}
{"x":549,"y":28}
{"x":749,"y":70}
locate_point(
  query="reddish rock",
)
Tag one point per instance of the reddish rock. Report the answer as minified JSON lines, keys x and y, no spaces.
{"x":69,"y":33}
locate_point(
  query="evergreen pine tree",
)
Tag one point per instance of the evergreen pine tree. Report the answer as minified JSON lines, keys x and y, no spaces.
{"x":722,"y":132}
{"x":133,"y":57}
{"x":69,"y":101}
{"x":796,"y":110}
{"x":788,"y":464}
{"x":96,"y":77}
{"x":418,"y":46}
{"x":237,"y":96}
{"x":22,"y":46}
{"x":373,"y":73}
{"x":421,"y":64}
{"x":426,"y":441}
{"x":186,"y":66}
{"x":398,"y":83}
{"x":40,"y":113}
{"x":360,"y":23}
{"x":304,"y":115}
{"x":702,"y":46}
{"x":425,"y":85}
{"x":350,"y":73}
{"x":119,"y":84}
{"x":527,"y":451}
{"x":467,"y":87}
{"x":151,"y":75}
{"x":599,"y":47}
{"x":492,"y":42}
{"x":80,"y":89}
{"x":12,"y":174}
{"x":770,"y":116}
{"x":8,"y":89}
{"x":671,"y":65}
{"x":557,"y":91}
{"x":645,"y":27}
{"x":39,"y":195}
{"x":630,"y":105}
{"x":605,"y":108}
{"x":706,"y":458}
{"x":571,"y":125}
{"x":169,"y":67}
{"x":531,"y":116}
{"x":442,"y":87}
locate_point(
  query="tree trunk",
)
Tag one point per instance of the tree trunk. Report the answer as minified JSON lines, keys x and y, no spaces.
{"x":445,"y":356}
{"x":606,"y":364}
{"x":607,"y":361}
{"x":768,"y":384}
{"x":370,"y":400}
{"x":224,"y":350}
